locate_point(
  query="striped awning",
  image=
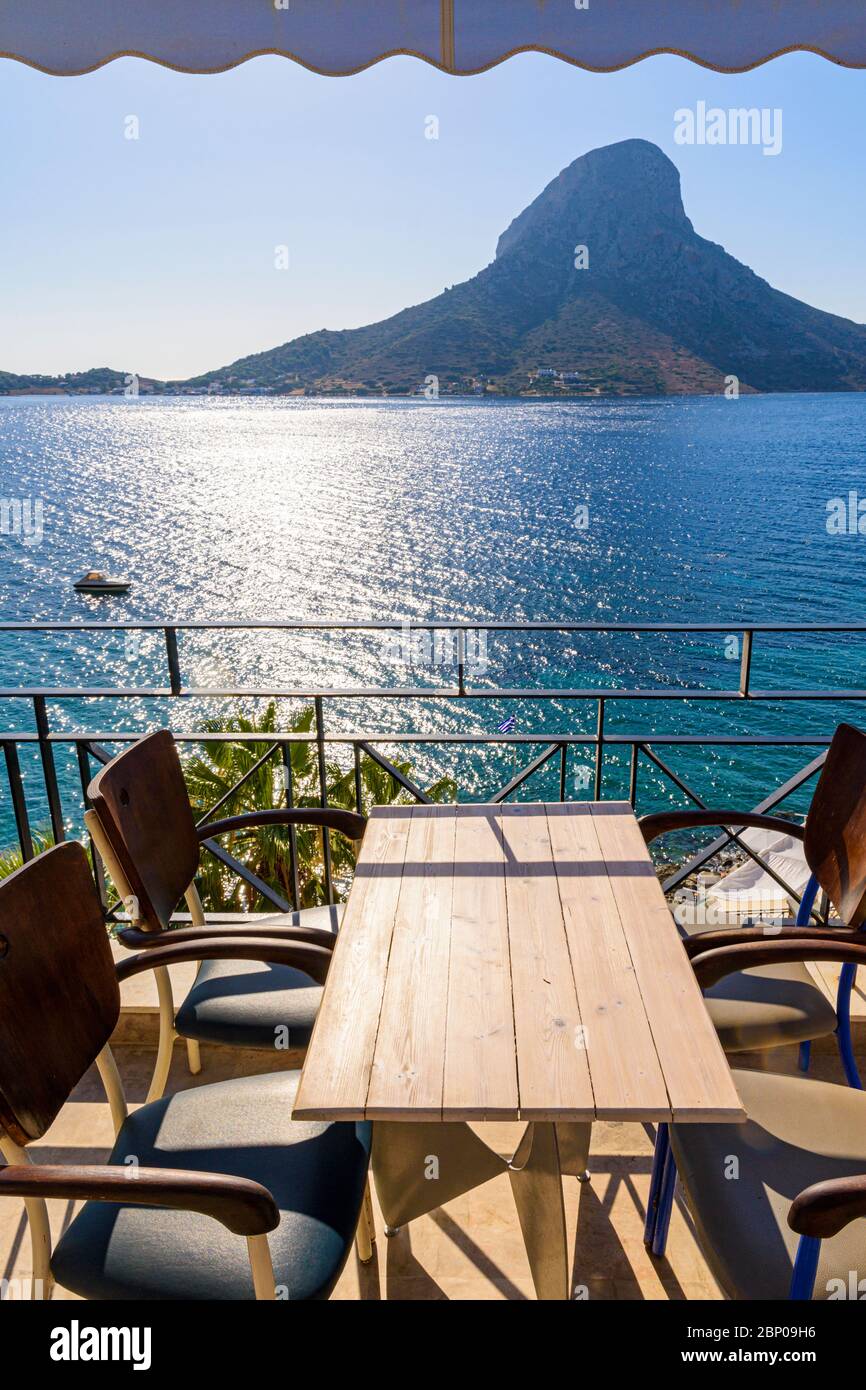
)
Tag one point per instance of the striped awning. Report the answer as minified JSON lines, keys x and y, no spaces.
{"x":461,"y":36}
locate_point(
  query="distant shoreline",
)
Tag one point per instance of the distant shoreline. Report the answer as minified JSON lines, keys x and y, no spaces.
{"x":561,"y":397}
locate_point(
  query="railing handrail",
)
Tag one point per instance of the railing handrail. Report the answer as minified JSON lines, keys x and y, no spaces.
{"x":87,"y":743}
{"x":421,"y":624}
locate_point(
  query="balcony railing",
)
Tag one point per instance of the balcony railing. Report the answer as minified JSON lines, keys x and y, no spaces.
{"x":552,"y":748}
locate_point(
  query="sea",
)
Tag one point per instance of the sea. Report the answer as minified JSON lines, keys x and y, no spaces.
{"x":677,"y":510}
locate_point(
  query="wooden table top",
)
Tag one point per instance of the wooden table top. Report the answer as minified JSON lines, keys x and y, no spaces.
{"x":511,"y":962}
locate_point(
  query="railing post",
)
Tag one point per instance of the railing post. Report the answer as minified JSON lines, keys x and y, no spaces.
{"x":293,"y":834}
{"x":563,"y":754}
{"x":173,"y":660}
{"x":461,"y":661}
{"x":632,"y":781}
{"x":359,"y":789}
{"x":19,"y":801}
{"x":81,"y":752}
{"x":49,"y":771}
{"x":323,"y":790}
{"x":746,"y":662}
{"x":599,"y":738}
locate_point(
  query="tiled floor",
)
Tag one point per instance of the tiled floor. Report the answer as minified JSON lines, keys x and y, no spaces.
{"x":471,"y":1249}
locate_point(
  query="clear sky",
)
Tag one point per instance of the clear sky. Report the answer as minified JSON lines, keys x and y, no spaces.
{"x":157,"y":255}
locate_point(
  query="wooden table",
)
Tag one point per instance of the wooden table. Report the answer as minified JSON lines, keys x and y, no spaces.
{"x":514,"y":962}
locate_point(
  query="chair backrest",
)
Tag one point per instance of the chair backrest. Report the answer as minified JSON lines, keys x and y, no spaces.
{"x":835,"y":841}
{"x":59,"y":998}
{"x":143,"y":807}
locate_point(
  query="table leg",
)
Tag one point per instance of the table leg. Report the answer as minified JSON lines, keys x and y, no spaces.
{"x":418,"y":1167}
{"x":536,"y":1185}
{"x":574,"y":1139}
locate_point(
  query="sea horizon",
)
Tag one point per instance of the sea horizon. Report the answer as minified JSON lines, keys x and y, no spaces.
{"x":313,"y":509}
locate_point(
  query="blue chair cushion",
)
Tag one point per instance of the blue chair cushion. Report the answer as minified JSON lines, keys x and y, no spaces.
{"x":316,"y":1173}
{"x":740,"y":1181}
{"x":252,"y":1003}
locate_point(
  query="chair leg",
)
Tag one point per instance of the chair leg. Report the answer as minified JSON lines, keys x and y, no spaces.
{"x":804,"y":1056}
{"x":166,"y":1034}
{"x":847,"y":976}
{"x":261,"y":1267}
{"x":667,"y":1193}
{"x":107,"y":1068}
{"x":366,"y":1232}
{"x":805,"y":1269}
{"x":42,"y":1280}
{"x":660,"y":1152}
{"x":193,"y":1056}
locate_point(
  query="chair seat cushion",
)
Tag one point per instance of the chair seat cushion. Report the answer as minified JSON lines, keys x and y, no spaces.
{"x":245,"y":1003}
{"x":768,"y":1007}
{"x":315,"y":1173}
{"x":740,"y":1181}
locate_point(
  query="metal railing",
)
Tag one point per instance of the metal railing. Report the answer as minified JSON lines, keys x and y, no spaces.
{"x":89,"y":747}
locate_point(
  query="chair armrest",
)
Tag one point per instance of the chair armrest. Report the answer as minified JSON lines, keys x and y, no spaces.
{"x":134,"y":938}
{"x":823,"y":1209}
{"x":240,"y":1205}
{"x":725,"y":937}
{"x":660,"y":822}
{"x":349,"y":823}
{"x":313,"y":960}
{"x":712,"y":966}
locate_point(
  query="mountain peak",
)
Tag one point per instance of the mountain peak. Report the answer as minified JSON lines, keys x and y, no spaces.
{"x":632,"y":182}
{"x":648,"y":307}
{"x":600,"y":287}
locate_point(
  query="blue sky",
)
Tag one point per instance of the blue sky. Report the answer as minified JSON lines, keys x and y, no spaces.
{"x":157,"y":255}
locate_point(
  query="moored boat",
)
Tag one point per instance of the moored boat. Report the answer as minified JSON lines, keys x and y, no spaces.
{"x":95,"y":582}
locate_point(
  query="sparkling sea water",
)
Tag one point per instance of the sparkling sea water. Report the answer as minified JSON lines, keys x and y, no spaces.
{"x":673,"y":510}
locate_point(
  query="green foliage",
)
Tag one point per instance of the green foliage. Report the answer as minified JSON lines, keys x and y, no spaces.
{"x":12,"y":859}
{"x":266,"y":850}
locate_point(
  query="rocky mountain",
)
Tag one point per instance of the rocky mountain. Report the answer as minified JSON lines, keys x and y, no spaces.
{"x":600,"y":286}
{"x":653,"y":308}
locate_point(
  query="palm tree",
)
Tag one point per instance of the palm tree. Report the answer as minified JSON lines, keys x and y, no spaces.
{"x":11,"y":858}
{"x":266,"y":850}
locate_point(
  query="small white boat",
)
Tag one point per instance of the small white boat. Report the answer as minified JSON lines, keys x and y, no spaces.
{"x":95,"y":582}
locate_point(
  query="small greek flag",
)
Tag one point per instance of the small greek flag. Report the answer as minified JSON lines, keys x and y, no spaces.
{"x":508,"y":725}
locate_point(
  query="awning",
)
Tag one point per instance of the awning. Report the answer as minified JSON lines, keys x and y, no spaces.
{"x":460,"y":36}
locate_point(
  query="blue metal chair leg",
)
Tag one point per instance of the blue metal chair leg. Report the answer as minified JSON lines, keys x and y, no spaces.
{"x":660,"y":1152}
{"x":807,"y":902}
{"x":805,"y":1269}
{"x":847,"y":976}
{"x":665,"y":1204}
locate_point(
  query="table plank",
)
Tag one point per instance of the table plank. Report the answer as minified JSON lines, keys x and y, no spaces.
{"x":552,"y":1069}
{"x":627,"y":1078}
{"x":408,"y":1065}
{"x":480,"y":1066}
{"x":476,"y":941}
{"x":336,"y":1075}
{"x":699,"y":1082}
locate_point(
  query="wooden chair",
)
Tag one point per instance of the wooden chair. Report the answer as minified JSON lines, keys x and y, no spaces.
{"x":142,"y":823}
{"x":780,"y":1004}
{"x":779,"y":1203}
{"x":776,"y":1001}
{"x":189,"y":1175}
